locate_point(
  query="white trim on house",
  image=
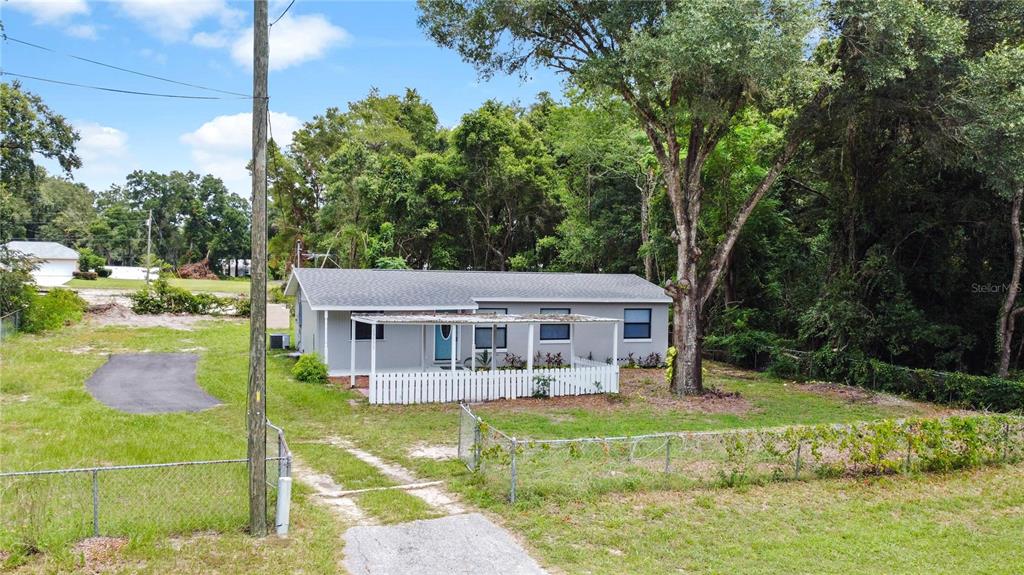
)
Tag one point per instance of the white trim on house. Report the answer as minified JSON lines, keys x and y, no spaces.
{"x":391,"y":308}
{"x":569,"y":300}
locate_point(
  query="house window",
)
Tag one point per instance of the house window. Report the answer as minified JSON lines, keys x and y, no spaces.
{"x":637,"y":324}
{"x":555,"y":331}
{"x":482,"y":335}
{"x":363,"y":331}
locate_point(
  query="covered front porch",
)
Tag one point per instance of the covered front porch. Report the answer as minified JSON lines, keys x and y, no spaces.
{"x":479,"y":376}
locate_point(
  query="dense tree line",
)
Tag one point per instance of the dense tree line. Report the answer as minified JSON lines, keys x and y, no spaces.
{"x":846,"y":194}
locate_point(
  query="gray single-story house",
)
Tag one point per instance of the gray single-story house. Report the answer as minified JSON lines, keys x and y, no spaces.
{"x":428,"y":323}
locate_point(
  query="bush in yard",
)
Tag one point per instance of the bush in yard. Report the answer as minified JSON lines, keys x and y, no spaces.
{"x":309,"y":369}
{"x":165,"y":298}
{"x":56,"y":309}
{"x":542,"y":386}
{"x":16,"y":284}
{"x":243,"y":307}
{"x":103,"y":272}
{"x":950,"y":388}
{"x":89,"y":260}
{"x":514,"y":361}
{"x":84,"y":275}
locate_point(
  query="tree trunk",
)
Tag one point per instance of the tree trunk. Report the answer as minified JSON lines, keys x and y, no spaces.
{"x":646,"y":191}
{"x":1007,"y":314}
{"x":686,"y":299}
{"x":687,"y":376}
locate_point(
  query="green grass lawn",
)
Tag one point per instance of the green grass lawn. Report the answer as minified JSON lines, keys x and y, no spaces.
{"x":232,"y":286}
{"x":962,"y":522}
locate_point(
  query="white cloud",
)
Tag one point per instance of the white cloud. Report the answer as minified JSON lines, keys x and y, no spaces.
{"x":294,"y":40}
{"x":99,"y":142}
{"x":150,"y":54}
{"x":49,"y":11}
{"x":211,"y":39}
{"x":85,"y":31}
{"x":173,"y":20}
{"x":106,"y":157}
{"x":223,"y":146}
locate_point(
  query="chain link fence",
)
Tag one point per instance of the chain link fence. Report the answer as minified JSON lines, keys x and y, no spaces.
{"x":50,"y":507}
{"x":520,"y":468}
{"x":9,"y":324}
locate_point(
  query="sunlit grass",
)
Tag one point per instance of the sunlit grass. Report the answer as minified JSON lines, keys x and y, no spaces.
{"x":963,"y":522}
{"x":233,"y":286}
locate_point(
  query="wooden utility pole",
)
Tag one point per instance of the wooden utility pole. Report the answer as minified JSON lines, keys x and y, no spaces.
{"x":257,"y":400}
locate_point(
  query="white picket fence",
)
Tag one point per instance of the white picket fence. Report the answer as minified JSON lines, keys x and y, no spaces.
{"x":472,"y":386}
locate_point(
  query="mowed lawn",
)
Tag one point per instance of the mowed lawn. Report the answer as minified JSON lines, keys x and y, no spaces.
{"x":230,"y":286}
{"x":959,"y":522}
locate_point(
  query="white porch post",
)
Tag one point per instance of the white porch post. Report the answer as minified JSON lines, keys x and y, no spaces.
{"x":615,"y":343}
{"x":327,"y":349}
{"x":373,"y":355}
{"x":529,"y":353}
{"x":423,"y":347}
{"x":472,"y":343}
{"x":494,"y":348}
{"x":352,"y":355}
{"x":572,"y":346}
{"x":454,"y":336}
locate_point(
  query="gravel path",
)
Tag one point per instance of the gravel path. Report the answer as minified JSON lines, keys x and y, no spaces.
{"x":467,"y":544}
{"x":460,"y":543}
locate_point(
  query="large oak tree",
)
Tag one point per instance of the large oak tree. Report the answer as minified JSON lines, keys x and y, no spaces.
{"x":687,"y":70}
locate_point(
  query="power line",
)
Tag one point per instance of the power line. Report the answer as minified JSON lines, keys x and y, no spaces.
{"x":282,"y":14}
{"x":118,"y":90}
{"x":113,"y":67}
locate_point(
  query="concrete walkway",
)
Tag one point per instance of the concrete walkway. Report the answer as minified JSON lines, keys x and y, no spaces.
{"x":460,"y":543}
{"x":150,"y":383}
{"x":467,"y":544}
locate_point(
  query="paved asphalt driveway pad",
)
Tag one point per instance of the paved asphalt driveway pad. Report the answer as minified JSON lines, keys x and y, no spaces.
{"x":458,"y":545}
{"x":150,"y":383}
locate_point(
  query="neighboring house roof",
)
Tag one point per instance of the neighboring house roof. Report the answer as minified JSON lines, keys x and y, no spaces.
{"x":371,"y":290}
{"x":43,"y":250}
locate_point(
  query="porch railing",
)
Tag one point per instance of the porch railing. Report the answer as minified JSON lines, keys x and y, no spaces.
{"x":472,"y":386}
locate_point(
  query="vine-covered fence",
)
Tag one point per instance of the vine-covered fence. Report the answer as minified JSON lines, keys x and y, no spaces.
{"x":527,"y":468}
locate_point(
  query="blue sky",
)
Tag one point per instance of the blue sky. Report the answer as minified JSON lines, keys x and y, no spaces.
{"x":323,"y":53}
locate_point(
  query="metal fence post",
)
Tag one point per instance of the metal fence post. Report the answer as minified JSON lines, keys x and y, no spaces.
{"x":906,"y":465}
{"x":668,"y":453}
{"x":1006,"y":441}
{"x":799,"y":450}
{"x":95,"y":503}
{"x":462,"y":426}
{"x":477,"y":439}
{"x":282,"y":465}
{"x":512,"y":487}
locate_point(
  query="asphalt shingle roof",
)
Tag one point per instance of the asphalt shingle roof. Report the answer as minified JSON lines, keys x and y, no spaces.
{"x":43,"y":250}
{"x":433,"y":289}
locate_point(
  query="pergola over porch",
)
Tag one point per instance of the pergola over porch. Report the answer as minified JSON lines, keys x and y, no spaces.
{"x":473,"y":385}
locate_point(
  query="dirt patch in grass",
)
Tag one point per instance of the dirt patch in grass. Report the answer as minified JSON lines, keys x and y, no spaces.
{"x":435,"y":452}
{"x":119,"y":315}
{"x":637,"y":388}
{"x":100,"y":554}
{"x":860,"y":395}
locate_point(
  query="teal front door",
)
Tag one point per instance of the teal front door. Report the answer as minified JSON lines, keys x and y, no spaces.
{"x":442,"y":343}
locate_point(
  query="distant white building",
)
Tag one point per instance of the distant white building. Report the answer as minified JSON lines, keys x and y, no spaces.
{"x":55,"y":263}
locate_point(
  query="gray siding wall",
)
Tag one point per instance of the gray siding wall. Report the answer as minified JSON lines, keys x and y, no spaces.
{"x":402,"y":344}
{"x":306,"y":326}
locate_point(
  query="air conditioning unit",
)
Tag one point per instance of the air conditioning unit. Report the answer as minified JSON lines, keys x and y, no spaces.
{"x":278,"y":341}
